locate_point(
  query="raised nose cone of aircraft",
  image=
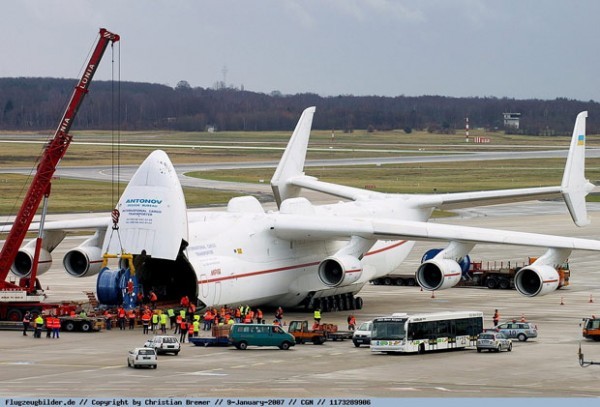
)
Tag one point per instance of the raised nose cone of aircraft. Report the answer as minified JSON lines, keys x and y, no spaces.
{"x":153,"y":211}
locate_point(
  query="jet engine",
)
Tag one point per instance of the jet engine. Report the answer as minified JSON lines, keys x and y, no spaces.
{"x":534,"y":280}
{"x":438,"y":274}
{"x":340,"y":270}
{"x":23,"y":263}
{"x":84,"y":260}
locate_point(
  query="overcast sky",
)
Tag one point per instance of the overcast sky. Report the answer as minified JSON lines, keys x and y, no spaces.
{"x":504,"y":48}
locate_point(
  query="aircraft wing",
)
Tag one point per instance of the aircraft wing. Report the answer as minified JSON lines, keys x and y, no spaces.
{"x":298,"y":227}
{"x":97,"y":222}
{"x":483,"y":198}
{"x":77,"y":224}
{"x":440,"y":201}
{"x":340,"y":191}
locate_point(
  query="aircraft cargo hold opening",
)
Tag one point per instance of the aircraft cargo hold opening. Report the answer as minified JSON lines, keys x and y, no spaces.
{"x":170,"y":280}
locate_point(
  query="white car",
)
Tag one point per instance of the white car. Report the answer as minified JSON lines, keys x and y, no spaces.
{"x":164,"y":344}
{"x":362,"y":336}
{"x":142,"y":357}
{"x":493,"y":341}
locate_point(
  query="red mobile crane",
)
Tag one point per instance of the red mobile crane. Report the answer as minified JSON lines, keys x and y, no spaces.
{"x":40,"y":186}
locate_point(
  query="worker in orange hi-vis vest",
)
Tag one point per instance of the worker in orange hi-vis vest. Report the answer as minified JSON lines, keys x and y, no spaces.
{"x":183,"y":329}
{"x":153,"y":299}
{"x":131,"y":316}
{"x":351,"y":323}
{"x":146,"y":322}
{"x":55,"y":327}
{"x":178,"y":319}
{"x":191,"y":330}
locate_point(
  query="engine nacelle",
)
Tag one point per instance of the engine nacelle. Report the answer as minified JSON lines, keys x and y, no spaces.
{"x":535,"y":280}
{"x":23,"y":263}
{"x":438,"y":274}
{"x":340,"y":270}
{"x":82,"y":261}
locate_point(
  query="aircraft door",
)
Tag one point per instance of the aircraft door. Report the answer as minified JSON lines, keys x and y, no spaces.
{"x":217,"y":292}
{"x":202,"y":282}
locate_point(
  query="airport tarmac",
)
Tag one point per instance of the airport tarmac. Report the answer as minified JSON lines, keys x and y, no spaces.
{"x":94,"y":364}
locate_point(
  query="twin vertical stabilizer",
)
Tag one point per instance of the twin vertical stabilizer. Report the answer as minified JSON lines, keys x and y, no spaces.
{"x":292,"y":162}
{"x":574,"y":185}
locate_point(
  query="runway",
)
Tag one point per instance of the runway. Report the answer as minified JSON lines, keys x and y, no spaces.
{"x":104,"y":173}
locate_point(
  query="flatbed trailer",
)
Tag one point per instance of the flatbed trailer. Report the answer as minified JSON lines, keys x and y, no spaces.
{"x":339,"y":335}
{"x":493,"y":275}
{"x":210,"y":341}
{"x":332,"y":333}
{"x":81,"y":324}
{"x":220,"y":337}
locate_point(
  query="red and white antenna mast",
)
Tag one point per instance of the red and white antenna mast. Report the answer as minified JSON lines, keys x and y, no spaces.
{"x":467,"y":129}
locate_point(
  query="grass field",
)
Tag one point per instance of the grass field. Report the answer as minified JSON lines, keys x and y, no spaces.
{"x":67,"y":195}
{"x":229,"y":146}
{"x":433,"y":177}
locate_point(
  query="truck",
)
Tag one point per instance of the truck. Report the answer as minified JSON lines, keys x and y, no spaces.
{"x":493,"y":275}
{"x":302,"y":333}
{"x":13,"y":309}
{"x":318,"y":333}
{"x":591,"y":328}
{"x":27,"y":295}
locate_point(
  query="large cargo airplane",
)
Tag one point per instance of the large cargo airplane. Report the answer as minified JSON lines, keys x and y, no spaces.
{"x":302,"y":254}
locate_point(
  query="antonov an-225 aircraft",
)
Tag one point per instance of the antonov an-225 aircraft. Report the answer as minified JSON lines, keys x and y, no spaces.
{"x":303,"y":254}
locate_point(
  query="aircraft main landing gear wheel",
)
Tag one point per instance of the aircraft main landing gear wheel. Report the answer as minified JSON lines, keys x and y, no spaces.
{"x":358,"y":303}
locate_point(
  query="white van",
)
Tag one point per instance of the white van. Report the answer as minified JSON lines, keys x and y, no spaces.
{"x":362,"y":336}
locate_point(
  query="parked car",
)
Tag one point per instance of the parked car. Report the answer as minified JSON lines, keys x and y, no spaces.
{"x":362,"y":336}
{"x":164,"y":344}
{"x":495,"y":341}
{"x":520,"y":330}
{"x":142,"y":357}
{"x":243,"y":335}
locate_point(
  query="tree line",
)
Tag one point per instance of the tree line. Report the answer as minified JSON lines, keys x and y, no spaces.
{"x":38,"y":104}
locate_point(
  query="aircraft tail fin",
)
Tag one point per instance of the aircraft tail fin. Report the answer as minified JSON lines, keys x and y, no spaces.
{"x":574,"y":185}
{"x":292,"y":161}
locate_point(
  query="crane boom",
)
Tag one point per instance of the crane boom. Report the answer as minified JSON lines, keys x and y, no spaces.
{"x":53,"y":153}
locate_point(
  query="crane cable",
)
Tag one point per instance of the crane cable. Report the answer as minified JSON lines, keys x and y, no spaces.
{"x":116,"y":141}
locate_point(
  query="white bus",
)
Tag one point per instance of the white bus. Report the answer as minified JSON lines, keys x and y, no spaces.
{"x":425,"y":332}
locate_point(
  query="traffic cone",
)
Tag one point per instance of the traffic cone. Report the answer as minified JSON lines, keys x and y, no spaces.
{"x":562,"y":301}
{"x":591,"y":299}
{"x":433,"y":294}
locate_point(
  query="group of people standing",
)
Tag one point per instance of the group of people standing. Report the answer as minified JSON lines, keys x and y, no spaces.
{"x":50,"y":322}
